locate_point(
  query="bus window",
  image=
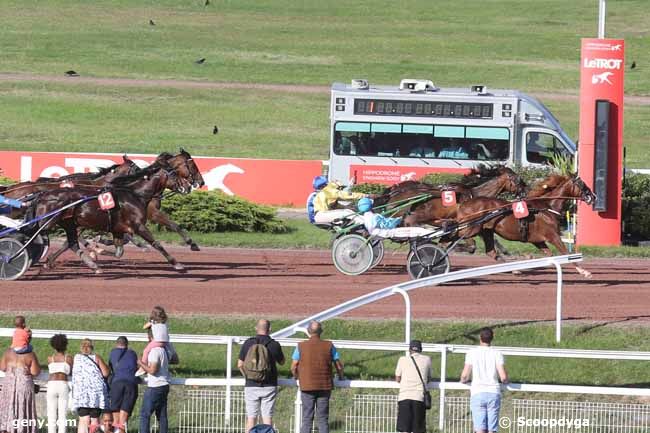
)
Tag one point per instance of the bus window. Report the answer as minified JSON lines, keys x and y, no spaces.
{"x":540,"y":147}
{"x":394,"y":140}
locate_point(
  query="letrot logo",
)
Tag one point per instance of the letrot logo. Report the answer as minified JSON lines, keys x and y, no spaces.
{"x":215,"y":178}
{"x":602,"y":63}
{"x":601,"y":78}
{"x":407,"y":176}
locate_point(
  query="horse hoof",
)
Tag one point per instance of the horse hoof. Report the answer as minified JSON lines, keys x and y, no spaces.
{"x":98,"y":271}
{"x":179,"y":267}
{"x":517,"y":273}
{"x":195,"y":247}
{"x":587,"y":275}
{"x":93,"y":255}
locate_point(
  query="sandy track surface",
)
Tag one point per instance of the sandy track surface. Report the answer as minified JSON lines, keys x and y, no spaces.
{"x":298,"y":283}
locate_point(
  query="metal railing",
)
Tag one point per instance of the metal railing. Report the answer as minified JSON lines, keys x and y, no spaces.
{"x":225,"y":403}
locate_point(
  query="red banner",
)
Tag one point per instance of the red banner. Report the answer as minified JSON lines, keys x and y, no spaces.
{"x":389,"y":175}
{"x":602,"y":68}
{"x":274,"y":182}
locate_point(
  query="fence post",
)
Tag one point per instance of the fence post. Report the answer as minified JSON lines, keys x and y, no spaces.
{"x":443,"y":380}
{"x":297,"y":416}
{"x":407,"y":316}
{"x":558,"y":305}
{"x":228,"y":380}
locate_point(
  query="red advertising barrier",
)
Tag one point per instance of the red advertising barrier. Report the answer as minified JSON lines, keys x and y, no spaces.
{"x":266,"y":181}
{"x":392,"y":175}
{"x":602,"y":67}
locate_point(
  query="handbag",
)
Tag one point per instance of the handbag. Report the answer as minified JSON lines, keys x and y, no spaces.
{"x":426,"y":394}
{"x":100,"y":371}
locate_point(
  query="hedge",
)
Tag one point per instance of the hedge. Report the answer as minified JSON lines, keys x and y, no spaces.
{"x":636,"y":206}
{"x":214,"y":211}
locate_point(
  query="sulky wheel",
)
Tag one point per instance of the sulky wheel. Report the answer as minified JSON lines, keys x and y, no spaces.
{"x":426,"y":261}
{"x":377,"y":251}
{"x":11,"y":269}
{"x":352,"y":254}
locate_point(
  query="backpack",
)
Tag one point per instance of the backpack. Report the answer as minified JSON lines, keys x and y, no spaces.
{"x":258,"y":362}
{"x":262,"y":428}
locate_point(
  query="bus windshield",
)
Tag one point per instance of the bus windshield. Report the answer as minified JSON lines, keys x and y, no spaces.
{"x":398,"y":140}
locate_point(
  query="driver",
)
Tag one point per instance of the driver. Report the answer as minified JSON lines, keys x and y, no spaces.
{"x":386,"y":227}
{"x":6,"y":204}
{"x":325,"y":196}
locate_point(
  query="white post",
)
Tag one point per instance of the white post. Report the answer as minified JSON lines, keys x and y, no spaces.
{"x":602,"y":11}
{"x":443,"y":380}
{"x":407,"y":317}
{"x":297,"y":413}
{"x":558,"y":305}
{"x":228,"y":380}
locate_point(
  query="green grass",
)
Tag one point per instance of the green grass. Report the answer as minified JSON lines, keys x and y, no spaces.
{"x":304,"y":235}
{"x":511,"y":43}
{"x":55,"y":117}
{"x":208,"y":360}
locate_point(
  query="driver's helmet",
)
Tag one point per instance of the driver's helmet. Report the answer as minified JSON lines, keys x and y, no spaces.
{"x":364,"y":205}
{"x":319,"y":182}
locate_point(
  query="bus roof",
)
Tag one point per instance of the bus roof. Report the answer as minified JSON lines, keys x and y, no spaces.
{"x":446,"y":91}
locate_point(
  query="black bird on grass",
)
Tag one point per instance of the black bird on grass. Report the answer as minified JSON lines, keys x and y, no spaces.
{"x":633,"y":65}
{"x":207,"y":2}
{"x":200,"y":61}
{"x":215,"y":131}
{"x":71,"y":73}
{"x":151,"y":23}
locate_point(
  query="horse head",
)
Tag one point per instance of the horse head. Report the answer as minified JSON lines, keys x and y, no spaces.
{"x":513,"y":183}
{"x":186,"y":168}
{"x":578,"y":188}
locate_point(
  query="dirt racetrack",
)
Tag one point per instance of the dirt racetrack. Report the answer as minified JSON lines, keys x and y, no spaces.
{"x":297,"y":283}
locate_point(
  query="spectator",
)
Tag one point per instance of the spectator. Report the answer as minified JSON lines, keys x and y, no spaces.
{"x":107,"y":423}
{"x":60,"y":367}
{"x":485,"y":365}
{"x":260,"y":394}
{"x":411,"y":372}
{"x":123,"y":363}
{"x":312,"y":367}
{"x":155,"y":396}
{"x":22,"y":337}
{"x":17,"y":396}
{"x":89,"y":391}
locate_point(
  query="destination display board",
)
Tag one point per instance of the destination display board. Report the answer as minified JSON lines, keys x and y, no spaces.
{"x":390,"y":107}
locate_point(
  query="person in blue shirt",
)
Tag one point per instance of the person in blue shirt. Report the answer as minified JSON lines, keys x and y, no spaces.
{"x":6,"y":201}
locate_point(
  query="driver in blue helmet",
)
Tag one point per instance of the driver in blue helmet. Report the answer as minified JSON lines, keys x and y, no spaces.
{"x":385,"y":227}
{"x":321,"y":202}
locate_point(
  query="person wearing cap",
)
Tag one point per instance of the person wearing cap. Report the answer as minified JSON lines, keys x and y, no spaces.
{"x":322,"y":202}
{"x":411,"y":371}
{"x":385,"y":227}
{"x":485,"y":365}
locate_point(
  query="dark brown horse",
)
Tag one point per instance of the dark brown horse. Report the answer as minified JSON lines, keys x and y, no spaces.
{"x":24,"y":190}
{"x":545,"y":203}
{"x":131,"y":195}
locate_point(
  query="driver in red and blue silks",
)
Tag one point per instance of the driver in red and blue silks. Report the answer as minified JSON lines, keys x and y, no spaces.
{"x":7,"y":203}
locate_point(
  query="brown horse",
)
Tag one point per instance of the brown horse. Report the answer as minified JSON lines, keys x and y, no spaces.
{"x":24,"y":190}
{"x":483,"y":181}
{"x":131,"y":195}
{"x":545,"y":203}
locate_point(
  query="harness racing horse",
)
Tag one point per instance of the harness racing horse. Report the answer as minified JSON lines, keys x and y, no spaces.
{"x":545,"y":204}
{"x":24,"y":190}
{"x":131,"y":195}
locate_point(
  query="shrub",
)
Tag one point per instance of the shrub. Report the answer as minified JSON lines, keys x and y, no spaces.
{"x":636,"y":202}
{"x":369,"y":188}
{"x":441,"y":178}
{"x":214,"y":211}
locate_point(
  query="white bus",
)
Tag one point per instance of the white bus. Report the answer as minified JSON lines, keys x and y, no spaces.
{"x":383,"y":134}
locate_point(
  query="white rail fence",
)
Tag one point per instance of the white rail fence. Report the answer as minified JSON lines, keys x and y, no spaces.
{"x":212,"y":405}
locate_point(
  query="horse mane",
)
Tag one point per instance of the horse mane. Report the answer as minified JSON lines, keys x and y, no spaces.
{"x":480,"y":174}
{"x":130,"y":178}
{"x":547,"y":185}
